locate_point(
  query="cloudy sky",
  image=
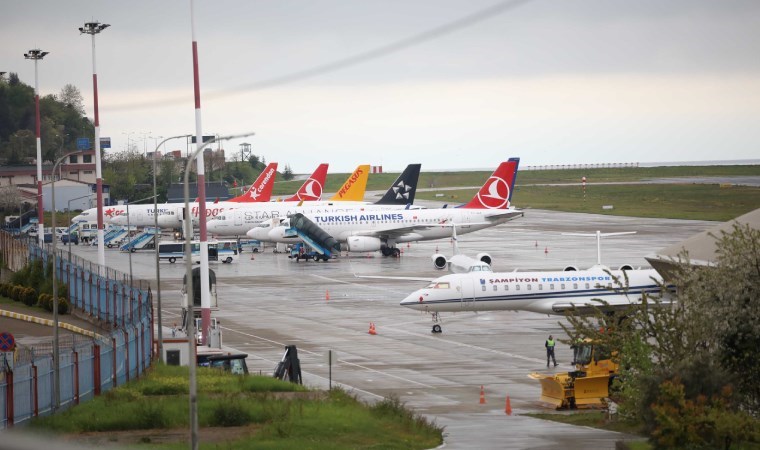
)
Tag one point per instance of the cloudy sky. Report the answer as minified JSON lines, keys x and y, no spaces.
{"x":446,"y":83}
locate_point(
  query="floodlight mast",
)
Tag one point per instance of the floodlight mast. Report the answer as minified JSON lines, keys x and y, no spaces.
{"x":93,"y":28}
{"x":36,"y":55}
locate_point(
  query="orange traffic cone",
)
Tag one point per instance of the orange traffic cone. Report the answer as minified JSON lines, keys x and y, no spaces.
{"x":536,"y":243}
{"x":546,"y":250}
{"x":482,"y":396}
{"x":252,"y":258}
{"x":436,"y":249}
{"x":372,"y":328}
{"x":327,"y":294}
{"x":407,"y":245}
{"x":508,"y":407}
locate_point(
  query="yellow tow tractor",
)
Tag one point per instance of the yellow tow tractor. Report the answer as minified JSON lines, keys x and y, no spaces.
{"x":587,"y":386}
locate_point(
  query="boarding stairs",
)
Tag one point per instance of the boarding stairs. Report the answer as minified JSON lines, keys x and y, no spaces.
{"x":141,"y":241}
{"x":311,"y":234}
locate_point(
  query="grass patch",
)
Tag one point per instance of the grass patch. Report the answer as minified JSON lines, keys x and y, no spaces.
{"x":281,"y":420}
{"x":670,"y":201}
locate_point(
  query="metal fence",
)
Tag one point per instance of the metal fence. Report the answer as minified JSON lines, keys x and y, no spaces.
{"x":87,"y":366}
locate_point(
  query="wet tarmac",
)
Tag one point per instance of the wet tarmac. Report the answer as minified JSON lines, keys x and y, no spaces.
{"x":270,"y":301}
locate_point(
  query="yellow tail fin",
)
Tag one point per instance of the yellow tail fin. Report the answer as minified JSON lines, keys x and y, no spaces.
{"x":353,"y":188}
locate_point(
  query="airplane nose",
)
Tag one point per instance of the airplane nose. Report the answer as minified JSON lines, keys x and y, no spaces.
{"x":413,"y":300}
{"x":252,"y":233}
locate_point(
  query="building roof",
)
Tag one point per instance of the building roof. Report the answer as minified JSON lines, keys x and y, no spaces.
{"x":701,"y":247}
{"x":176,"y":192}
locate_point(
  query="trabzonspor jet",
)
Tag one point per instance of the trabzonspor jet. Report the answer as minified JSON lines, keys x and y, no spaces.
{"x":370,"y":229}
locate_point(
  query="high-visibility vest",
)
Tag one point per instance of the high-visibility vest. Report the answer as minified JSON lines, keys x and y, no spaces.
{"x":550,"y":343}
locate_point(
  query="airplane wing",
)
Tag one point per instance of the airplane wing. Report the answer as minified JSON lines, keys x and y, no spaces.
{"x":506,"y":215}
{"x":380,"y":277}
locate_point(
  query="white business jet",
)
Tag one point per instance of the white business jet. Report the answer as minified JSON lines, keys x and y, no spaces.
{"x":370,"y":229}
{"x":475,"y":287}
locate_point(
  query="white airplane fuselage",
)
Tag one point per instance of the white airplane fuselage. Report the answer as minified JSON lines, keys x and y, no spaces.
{"x":362,"y":228}
{"x":541,"y":292}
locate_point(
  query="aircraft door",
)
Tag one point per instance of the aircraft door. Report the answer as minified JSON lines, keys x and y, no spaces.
{"x":466,"y":292}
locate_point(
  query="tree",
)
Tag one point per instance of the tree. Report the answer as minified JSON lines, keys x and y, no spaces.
{"x":705,"y":340}
{"x":253,"y":160}
{"x":72,"y":98}
{"x":287,"y":174}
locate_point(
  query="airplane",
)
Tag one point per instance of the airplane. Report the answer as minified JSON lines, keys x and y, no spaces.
{"x":170,"y":214}
{"x":371,"y":229}
{"x":238,"y":221}
{"x":260,"y":191}
{"x":475,"y":287}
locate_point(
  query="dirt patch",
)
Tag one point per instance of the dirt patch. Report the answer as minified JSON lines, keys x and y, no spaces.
{"x":213,"y":435}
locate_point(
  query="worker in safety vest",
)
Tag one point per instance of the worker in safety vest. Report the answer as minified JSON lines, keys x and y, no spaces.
{"x":576,"y":349}
{"x":549,"y":344}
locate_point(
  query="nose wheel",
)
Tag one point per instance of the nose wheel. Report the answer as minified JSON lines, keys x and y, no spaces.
{"x":436,"y":325}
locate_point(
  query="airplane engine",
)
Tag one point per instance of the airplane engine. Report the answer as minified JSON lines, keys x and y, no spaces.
{"x":570,"y":269}
{"x":484,"y":257}
{"x":364,"y":244}
{"x":626,"y":267}
{"x":439,"y":261}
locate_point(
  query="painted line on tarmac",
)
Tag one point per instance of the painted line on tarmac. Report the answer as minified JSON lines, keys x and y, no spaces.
{"x":339,"y":360}
{"x":462,"y":344}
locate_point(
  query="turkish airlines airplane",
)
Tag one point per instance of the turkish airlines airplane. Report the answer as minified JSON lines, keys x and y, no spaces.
{"x":369,"y":228}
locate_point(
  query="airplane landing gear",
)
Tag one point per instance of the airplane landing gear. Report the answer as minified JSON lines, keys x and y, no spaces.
{"x":436,"y":326}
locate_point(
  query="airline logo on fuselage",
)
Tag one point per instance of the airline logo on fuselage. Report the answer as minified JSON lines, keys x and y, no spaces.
{"x":357,"y":218}
{"x":496,"y":195}
{"x":347,"y":185}
{"x":210,"y":212}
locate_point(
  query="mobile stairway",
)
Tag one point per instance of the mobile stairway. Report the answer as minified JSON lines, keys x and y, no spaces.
{"x":144,"y":240}
{"x":112,"y":237}
{"x":318,"y":239}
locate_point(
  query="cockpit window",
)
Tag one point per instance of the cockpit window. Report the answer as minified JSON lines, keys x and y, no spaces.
{"x":482,"y":268}
{"x":439,"y":285}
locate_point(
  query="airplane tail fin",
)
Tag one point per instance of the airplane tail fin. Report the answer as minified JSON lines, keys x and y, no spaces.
{"x":403,"y":189}
{"x":353,"y":188}
{"x":496,"y":193}
{"x":311,"y":189}
{"x":261,"y":189}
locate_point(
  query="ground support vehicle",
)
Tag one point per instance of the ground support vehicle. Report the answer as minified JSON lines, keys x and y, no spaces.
{"x":585,"y":387}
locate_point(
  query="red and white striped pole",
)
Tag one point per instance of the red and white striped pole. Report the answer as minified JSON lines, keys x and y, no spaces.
{"x":205,"y":295}
{"x":93,"y":28}
{"x":37,"y":55}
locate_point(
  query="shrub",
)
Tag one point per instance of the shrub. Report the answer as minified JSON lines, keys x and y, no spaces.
{"x":16,"y":293}
{"x":4,"y":288}
{"x":229,"y":412}
{"x":44,"y":301}
{"x":29,"y":296}
{"x":63,"y":305}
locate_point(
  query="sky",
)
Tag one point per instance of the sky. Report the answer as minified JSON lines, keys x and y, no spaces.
{"x":450,"y":84}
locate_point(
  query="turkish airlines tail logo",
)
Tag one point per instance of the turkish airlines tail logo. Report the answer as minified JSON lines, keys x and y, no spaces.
{"x":497,"y":190}
{"x":311,"y":190}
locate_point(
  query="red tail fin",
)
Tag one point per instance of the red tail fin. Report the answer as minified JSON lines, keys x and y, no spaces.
{"x":311,"y":188}
{"x":261,"y":189}
{"x":497,"y":190}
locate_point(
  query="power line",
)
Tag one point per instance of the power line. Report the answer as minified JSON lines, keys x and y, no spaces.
{"x":334,"y":66}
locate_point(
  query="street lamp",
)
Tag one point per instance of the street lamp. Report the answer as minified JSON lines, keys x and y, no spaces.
{"x":189,"y":288}
{"x":93,"y":28}
{"x":56,"y":361}
{"x":36,"y":55}
{"x":158,"y":271}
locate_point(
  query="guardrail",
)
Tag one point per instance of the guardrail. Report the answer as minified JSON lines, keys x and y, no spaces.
{"x":88,"y":366}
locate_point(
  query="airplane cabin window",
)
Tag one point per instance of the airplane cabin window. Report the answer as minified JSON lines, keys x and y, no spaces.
{"x":517,"y":287}
{"x":551,"y":286}
{"x":540,"y":287}
{"x":529,"y":287}
{"x":562,"y":286}
{"x":495,"y":287}
{"x":483,"y":288}
{"x":506,"y":287}
{"x":575,"y":285}
{"x":586,"y":285}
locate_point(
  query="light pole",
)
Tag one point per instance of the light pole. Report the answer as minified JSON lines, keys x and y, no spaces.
{"x":93,"y":28}
{"x":158,"y":271}
{"x":189,"y":288}
{"x":36,"y":55}
{"x":56,"y":361}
